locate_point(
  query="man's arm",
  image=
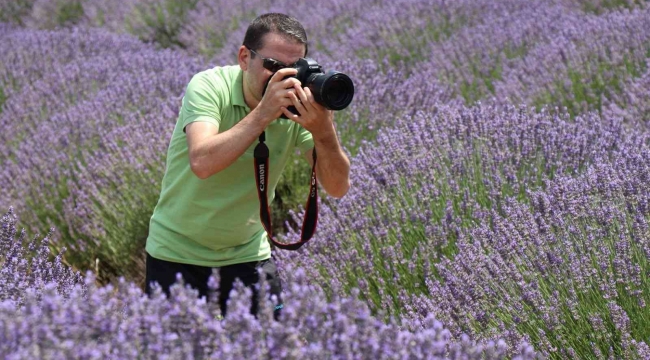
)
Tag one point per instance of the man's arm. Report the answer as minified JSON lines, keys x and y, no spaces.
{"x":332,"y":165}
{"x":211,"y":151}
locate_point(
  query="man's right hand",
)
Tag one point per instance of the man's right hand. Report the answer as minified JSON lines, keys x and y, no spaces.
{"x":277,"y":94}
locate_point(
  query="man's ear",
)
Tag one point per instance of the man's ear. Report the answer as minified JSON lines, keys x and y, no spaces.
{"x":243,"y":57}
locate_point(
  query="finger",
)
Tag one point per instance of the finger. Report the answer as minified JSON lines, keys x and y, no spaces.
{"x":291,"y":82}
{"x":289,"y":92}
{"x":291,"y":116}
{"x":298,"y":105}
{"x":288,"y":71}
{"x":302,"y":94}
{"x":310,"y":96}
{"x":286,"y":102}
{"x":277,"y":77}
{"x":282,"y":73}
{"x":316,"y":106}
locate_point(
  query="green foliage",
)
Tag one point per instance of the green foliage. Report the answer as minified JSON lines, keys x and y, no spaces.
{"x":3,"y":98}
{"x":110,"y":240}
{"x":479,"y":83}
{"x":575,"y":323}
{"x":208,"y":39}
{"x":160,"y":21}
{"x":291,"y":193}
{"x":602,"y":6}
{"x":125,"y":211}
{"x":410,"y":46}
{"x":69,"y":12}
{"x":55,"y":14}
{"x":468,"y":188}
{"x":14,"y":11}
{"x":586,"y":87}
{"x":115,"y":227}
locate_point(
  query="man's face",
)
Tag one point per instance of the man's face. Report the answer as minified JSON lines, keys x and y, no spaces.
{"x":276,"y":47}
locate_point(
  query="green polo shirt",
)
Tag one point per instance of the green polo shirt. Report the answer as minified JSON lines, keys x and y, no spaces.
{"x":216,"y":221}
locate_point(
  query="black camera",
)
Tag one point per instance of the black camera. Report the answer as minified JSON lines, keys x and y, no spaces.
{"x":333,"y":90}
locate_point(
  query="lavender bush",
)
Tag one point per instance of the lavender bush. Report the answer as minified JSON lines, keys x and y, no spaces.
{"x":109,"y":15}
{"x":159,"y":21}
{"x":13,"y":11}
{"x":417,"y":186}
{"x":121,"y":323}
{"x":27,"y":266}
{"x":84,"y":144}
{"x":473,"y":59}
{"x":426,"y":183}
{"x":633,"y":103}
{"x":200,"y":34}
{"x":571,"y":271}
{"x":397,"y":32}
{"x":587,"y":62}
{"x":29,"y":55}
{"x":51,"y":14}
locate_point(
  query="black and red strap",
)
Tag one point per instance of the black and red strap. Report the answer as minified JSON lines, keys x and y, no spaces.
{"x":262,"y":180}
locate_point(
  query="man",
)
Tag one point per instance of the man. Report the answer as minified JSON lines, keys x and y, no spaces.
{"x":208,"y":212}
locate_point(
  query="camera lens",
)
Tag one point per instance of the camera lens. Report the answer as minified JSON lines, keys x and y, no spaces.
{"x":333,"y":90}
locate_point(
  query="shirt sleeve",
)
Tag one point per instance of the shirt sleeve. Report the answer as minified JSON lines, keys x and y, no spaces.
{"x":304,"y":141}
{"x":202,"y":102}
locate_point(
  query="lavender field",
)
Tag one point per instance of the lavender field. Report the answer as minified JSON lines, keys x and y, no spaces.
{"x":500,"y":199}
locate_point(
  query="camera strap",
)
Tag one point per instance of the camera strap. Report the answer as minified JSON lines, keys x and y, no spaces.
{"x":262,"y":179}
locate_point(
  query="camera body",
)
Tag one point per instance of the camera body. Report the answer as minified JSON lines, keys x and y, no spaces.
{"x":333,"y":90}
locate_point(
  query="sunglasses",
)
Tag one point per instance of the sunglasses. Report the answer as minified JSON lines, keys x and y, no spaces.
{"x":272,"y":64}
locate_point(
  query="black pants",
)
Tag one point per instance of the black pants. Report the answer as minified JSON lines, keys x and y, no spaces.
{"x":164,"y":273}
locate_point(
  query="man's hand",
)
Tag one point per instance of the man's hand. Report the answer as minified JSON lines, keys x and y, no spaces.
{"x":314,"y":117}
{"x":277,"y":95}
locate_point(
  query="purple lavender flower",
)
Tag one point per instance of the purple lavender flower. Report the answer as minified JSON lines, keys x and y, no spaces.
{"x":27,"y":265}
{"x":122,"y":322}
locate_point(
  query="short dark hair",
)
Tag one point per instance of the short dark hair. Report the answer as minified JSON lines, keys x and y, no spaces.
{"x":274,"y":23}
